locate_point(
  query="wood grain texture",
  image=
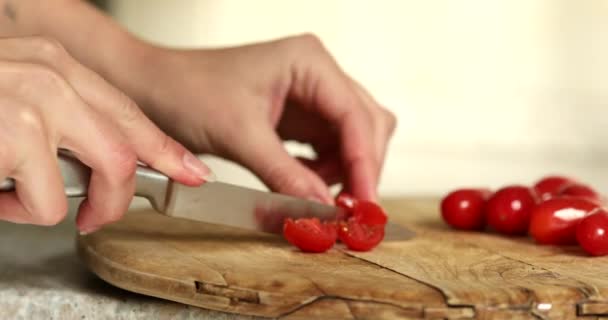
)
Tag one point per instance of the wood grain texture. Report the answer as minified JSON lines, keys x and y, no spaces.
{"x":440,"y":274}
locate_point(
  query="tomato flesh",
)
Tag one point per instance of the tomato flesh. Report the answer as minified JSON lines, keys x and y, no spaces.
{"x":360,"y":237}
{"x":464,"y":208}
{"x":360,"y":229}
{"x":369,"y":213}
{"x":554,"y":221}
{"x":551,"y":186}
{"x":310,"y":234}
{"x":509,"y":210}
{"x":592,"y":233}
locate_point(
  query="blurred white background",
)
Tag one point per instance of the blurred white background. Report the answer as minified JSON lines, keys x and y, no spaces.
{"x":486,"y":92}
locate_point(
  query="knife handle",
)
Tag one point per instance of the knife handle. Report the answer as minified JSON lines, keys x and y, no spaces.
{"x":150,"y":183}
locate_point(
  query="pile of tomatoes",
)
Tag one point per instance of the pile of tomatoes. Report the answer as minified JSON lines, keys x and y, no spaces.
{"x":555,"y":211}
{"x":360,"y":229}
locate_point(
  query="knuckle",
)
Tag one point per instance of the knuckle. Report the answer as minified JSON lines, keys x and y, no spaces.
{"x":30,"y":122}
{"x":129,"y":112}
{"x":48,"y":49}
{"x":309,"y":40}
{"x":308,"y":43}
{"x":390,"y":120}
{"x":51,"y":214}
{"x":122,"y":162}
{"x":41,"y":76}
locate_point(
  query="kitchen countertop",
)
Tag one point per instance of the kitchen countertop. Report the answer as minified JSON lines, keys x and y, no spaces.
{"x":41,"y":277}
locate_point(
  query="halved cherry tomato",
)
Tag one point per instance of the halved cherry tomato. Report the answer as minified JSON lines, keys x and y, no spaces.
{"x":592,"y":233}
{"x":580,"y":191}
{"x":551,"y":186}
{"x":464,"y":208}
{"x":554,"y":221}
{"x":309,"y":234}
{"x":508,"y":210}
{"x":345,"y":200}
{"x":360,"y":237}
{"x":369,"y":213}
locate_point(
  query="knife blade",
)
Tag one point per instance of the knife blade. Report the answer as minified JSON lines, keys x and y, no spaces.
{"x":213,"y":202}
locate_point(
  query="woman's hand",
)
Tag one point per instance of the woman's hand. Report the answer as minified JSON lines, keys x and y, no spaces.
{"x":50,"y":101}
{"x":241,"y":103}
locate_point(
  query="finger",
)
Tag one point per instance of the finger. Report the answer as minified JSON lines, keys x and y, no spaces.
{"x":151,"y":145}
{"x":384,"y":122}
{"x":319,"y":83}
{"x":278,"y":170}
{"x":39,"y":197}
{"x":112,"y":162}
{"x":328,"y":169}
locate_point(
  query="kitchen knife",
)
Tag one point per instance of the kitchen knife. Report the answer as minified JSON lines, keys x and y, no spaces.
{"x":213,"y":202}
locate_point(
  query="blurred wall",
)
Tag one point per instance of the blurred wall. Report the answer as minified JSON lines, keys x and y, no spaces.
{"x":486,"y":92}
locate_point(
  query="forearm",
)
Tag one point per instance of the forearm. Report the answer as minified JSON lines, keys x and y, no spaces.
{"x":90,"y":36}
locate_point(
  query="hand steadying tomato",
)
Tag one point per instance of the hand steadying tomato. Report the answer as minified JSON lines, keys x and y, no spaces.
{"x":551,"y":186}
{"x":592,"y":233}
{"x":310,"y":234}
{"x":464,"y":208}
{"x":554,"y":221}
{"x":509,"y":210}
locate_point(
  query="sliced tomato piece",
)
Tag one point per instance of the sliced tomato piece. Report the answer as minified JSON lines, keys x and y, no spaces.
{"x":346,"y":201}
{"x":310,"y":234}
{"x":369,"y":213}
{"x":360,"y":237}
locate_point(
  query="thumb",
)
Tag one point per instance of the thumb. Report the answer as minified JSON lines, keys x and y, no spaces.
{"x":263,"y":153}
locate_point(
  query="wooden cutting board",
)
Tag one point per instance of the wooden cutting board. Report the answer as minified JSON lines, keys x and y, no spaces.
{"x":440,"y":274}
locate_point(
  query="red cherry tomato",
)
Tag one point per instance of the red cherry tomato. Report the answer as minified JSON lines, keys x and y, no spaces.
{"x":508,"y":210}
{"x":551,"y":186}
{"x":554,"y":221}
{"x":464,"y":208}
{"x":345,"y":200}
{"x":369,"y":213}
{"x":309,"y":234}
{"x":360,"y":237}
{"x":580,"y":190}
{"x":592,"y":233}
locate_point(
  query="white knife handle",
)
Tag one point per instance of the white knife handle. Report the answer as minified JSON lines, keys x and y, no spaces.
{"x":150,"y":183}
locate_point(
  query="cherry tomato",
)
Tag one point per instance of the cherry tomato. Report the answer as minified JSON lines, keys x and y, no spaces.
{"x":464,"y":208}
{"x":551,"y":186}
{"x":592,"y":233}
{"x":345,"y":200}
{"x":369,"y":213}
{"x":554,"y":221}
{"x":309,"y":234}
{"x":580,"y":190}
{"x":360,"y":237}
{"x":508,"y":210}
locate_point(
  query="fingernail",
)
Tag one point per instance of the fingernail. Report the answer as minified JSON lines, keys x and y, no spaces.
{"x":197,"y":167}
{"x":86,"y":231}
